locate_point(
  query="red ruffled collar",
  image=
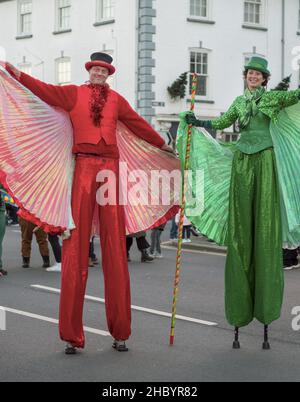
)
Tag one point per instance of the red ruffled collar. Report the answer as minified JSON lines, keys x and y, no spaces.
{"x":99,"y":94}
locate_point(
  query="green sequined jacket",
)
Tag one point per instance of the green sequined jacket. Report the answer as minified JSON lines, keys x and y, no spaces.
{"x":270,"y":104}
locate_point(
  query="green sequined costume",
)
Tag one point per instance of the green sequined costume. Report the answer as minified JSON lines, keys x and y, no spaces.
{"x":251,"y":198}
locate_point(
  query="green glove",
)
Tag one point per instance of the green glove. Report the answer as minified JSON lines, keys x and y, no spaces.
{"x":190,"y":118}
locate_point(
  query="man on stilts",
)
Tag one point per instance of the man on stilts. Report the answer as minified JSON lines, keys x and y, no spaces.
{"x":94,"y":110}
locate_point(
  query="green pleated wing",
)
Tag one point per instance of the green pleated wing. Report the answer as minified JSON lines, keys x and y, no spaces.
{"x":286,"y":139}
{"x":207,"y":196}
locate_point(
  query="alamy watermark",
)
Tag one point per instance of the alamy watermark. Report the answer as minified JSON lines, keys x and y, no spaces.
{"x":296,"y":59}
{"x":296,"y":319}
{"x":151,"y":188}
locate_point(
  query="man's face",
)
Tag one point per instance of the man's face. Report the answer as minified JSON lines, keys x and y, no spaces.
{"x":98,"y":75}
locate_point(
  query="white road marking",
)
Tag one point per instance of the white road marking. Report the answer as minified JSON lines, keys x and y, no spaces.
{"x":2,"y":319}
{"x":52,"y":320}
{"x":138,"y":308}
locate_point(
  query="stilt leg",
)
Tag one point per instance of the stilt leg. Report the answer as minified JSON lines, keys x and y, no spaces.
{"x":236,"y":343}
{"x":266,"y":345}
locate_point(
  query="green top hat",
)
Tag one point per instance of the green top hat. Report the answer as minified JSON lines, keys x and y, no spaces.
{"x":259,"y":64}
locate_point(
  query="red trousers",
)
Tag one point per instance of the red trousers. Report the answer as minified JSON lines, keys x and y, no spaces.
{"x":75,"y":256}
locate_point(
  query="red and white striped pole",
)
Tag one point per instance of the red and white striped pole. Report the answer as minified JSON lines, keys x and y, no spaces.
{"x":184,"y":189}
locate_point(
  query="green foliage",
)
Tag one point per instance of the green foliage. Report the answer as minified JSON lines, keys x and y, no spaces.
{"x":178,"y":88}
{"x":284,"y":84}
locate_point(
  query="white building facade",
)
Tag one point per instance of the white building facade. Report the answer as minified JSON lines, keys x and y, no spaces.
{"x":153,"y":42}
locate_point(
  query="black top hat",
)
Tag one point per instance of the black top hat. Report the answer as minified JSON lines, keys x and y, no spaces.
{"x":101,"y":59}
{"x":98,"y":56}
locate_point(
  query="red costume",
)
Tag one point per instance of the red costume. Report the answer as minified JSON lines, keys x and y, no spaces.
{"x":96,"y":149}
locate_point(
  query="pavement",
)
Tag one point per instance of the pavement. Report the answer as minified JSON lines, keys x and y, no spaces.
{"x":32,"y":351}
{"x":200,"y":243}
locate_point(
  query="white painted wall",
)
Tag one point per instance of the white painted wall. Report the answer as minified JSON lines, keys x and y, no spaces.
{"x":118,"y":38}
{"x":226,"y":38}
{"x":228,"y":42}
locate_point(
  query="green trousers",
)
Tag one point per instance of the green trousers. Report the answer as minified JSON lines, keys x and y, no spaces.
{"x":254,"y":272}
{"x":2,"y":231}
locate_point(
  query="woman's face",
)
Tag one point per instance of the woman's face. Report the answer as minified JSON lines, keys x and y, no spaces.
{"x":254,"y":79}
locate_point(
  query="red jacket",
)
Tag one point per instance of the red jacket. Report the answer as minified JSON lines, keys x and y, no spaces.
{"x":75,"y":100}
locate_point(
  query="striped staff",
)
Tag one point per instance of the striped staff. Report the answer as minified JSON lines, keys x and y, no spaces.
{"x":184,"y":188}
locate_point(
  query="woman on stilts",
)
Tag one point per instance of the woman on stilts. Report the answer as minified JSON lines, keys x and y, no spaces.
{"x":252,"y":203}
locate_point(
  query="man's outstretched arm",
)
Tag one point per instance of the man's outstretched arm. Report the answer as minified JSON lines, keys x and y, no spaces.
{"x":55,"y":95}
{"x":140,"y":127}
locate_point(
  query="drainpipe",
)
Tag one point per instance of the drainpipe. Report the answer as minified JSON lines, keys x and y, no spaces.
{"x":283,"y":41}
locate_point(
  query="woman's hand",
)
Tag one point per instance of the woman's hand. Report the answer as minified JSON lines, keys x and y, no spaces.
{"x":190,"y":118}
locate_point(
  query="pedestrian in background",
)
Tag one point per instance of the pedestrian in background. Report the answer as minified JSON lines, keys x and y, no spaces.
{"x":12,"y":217}
{"x":93,"y":260}
{"x":56,"y":248}
{"x":155,"y":248}
{"x":174,"y":230}
{"x":187,"y":226}
{"x":142,"y":245}
{"x":27,"y":230}
{"x":290,"y":259}
{"x":2,"y":232}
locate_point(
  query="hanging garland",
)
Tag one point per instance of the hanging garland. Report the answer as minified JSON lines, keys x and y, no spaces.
{"x":283,"y":85}
{"x":178,"y":88}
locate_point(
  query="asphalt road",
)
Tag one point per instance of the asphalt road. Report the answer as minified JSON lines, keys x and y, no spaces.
{"x":31,"y":349}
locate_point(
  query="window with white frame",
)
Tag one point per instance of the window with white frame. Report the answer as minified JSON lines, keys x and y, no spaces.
{"x":25,"y":68}
{"x":105,"y":10}
{"x":25,"y":17}
{"x":246,"y":60}
{"x":63,"y":70}
{"x":199,"y":65}
{"x":63,"y":14}
{"x":199,"y":8}
{"x":253,"y":12}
